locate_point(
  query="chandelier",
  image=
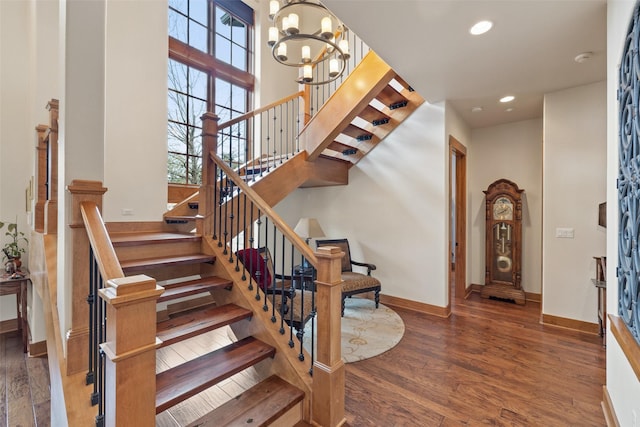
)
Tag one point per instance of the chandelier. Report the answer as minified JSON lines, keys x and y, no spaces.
{"x":305,"y":34}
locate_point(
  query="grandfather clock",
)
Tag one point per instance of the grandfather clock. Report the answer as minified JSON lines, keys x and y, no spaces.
{"x":503,"y":242}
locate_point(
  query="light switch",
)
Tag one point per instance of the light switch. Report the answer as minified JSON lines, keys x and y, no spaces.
{"x":564,"y":233}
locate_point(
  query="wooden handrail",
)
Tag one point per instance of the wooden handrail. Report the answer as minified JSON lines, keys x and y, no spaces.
{"x":260,"y":110}
{"x":267,"y":210}
{"x":100,"y":242}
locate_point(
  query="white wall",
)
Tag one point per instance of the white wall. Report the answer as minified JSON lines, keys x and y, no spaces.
{"x":574,"y":186}
{"x":394,"y":210}
{"x":135,"y":110}
{"x":512,"y":151}
{"x":17,"y":137}
{"x":622,"y":383}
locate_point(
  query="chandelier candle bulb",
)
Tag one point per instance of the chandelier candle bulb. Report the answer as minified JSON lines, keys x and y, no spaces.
{"x":273,"y":35}
{"x":282,"y":52}
{"x":307,"y":73}
{"x":325,"y":25}
{"x":333,"y":68}
{"x":344,"y":47}
{"x":274,"y":6}
{"x":306,"y":54}
{"x":293,"y":22}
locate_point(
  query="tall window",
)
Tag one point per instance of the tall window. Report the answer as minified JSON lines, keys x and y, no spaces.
{"x":210,"y":64}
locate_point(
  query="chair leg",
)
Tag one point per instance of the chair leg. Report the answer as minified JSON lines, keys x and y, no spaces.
{"x":342,"y":311}
{"x":377,"y":297}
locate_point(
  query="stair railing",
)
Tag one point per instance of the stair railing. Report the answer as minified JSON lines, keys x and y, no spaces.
{"x":241,"y":220}
{"x":255,"y":142}
{"x":274,"y":127}
{"x":122,"y":358}
{"x":319,"y":94}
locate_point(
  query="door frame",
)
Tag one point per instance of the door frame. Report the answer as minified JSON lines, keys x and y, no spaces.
{"x":459,"y":151}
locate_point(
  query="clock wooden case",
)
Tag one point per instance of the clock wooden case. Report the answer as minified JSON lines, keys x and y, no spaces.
{"x":503,"y":242}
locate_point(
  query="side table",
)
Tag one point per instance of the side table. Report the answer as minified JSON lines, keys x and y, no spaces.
{"x":304,"y":277}
{"x":11,"y":285}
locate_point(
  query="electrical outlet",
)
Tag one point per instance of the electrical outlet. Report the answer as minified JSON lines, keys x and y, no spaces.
{"x":564,"y":233}
{"x":126,"y":212}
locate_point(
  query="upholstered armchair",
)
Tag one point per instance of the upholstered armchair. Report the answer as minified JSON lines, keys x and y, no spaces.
{"x":294,"y":305}
{"x":353,"y":282}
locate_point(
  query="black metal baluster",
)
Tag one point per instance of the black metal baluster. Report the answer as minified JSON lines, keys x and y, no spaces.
{"x":266,"y":148}
{"x":291,"y":343}
{"x":297,"y":125}
{"x":249,"y":156}
{"x":102,"y":337}
{"x":230,"y":201}
{"x":275,"y":141}
{"x":91,"y":300}
{"x":225,"y":233}
{"x":218,"y":208}
{"x":281,"y":138}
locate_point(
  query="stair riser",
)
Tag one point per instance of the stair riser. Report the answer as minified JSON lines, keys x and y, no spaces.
{"x":126,"y":253}
{"x":166,"y":273}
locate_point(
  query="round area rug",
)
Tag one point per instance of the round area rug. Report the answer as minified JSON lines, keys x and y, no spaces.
{"x":366,"y":331}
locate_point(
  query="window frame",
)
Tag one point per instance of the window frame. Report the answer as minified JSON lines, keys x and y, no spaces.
{"x":214,"y":68}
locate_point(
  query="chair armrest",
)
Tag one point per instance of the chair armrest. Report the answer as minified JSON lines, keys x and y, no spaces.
{"x":370,"y":267}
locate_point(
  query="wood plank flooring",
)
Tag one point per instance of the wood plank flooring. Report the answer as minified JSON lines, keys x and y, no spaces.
{"x":491,"y":363}
{"x":24,"y":385}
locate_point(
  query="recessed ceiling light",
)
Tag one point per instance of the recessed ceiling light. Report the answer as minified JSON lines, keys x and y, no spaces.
{"x":476,"y":109}
{"x":480,"y":27}
{"x":507,"y":98}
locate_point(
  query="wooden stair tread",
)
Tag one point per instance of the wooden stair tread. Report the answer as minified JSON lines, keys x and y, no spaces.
{"x":191,"y":287}
{"x":389,"y":96}
{"x":181,"y":217}
{"x":261,"y":405}
{"x":136,"y":265}
{"x":196,"y":322}
{"x":373,"y":115}
{"x":355,"y":132}
{"x":183,"y":381}
{"x":341,"y":147}
{"x":148,"y":238}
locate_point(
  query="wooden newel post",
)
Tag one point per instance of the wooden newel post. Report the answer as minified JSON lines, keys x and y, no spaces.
{"x":207,"y":189}
{"x":51,"y":205}
{"x":41,"y":179}
{"x":130,"y":380}
{"x":78,"y":336}
{"x":328,"y":369}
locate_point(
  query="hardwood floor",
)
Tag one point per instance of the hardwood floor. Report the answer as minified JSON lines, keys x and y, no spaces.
{"x":24,"y":385}
{"x":490,"y":363}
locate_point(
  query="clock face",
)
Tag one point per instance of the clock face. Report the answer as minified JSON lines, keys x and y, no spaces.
{"x":503,"y":209}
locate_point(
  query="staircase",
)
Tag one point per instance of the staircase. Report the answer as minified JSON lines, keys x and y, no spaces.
{"x":365,"y":109}
{"x":204,"y":290}
{"x":177,"y":262}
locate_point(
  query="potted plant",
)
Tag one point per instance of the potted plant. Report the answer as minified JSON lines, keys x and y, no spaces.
{"x":15,"y":247}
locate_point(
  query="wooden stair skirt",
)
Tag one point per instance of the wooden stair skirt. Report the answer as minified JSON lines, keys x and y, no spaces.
{"x":172,"y":257}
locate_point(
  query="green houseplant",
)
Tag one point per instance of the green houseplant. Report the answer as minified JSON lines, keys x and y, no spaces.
{"x":16,"y":246}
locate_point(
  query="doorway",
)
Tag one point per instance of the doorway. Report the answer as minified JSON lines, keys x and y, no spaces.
{"x":457,"y":219}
